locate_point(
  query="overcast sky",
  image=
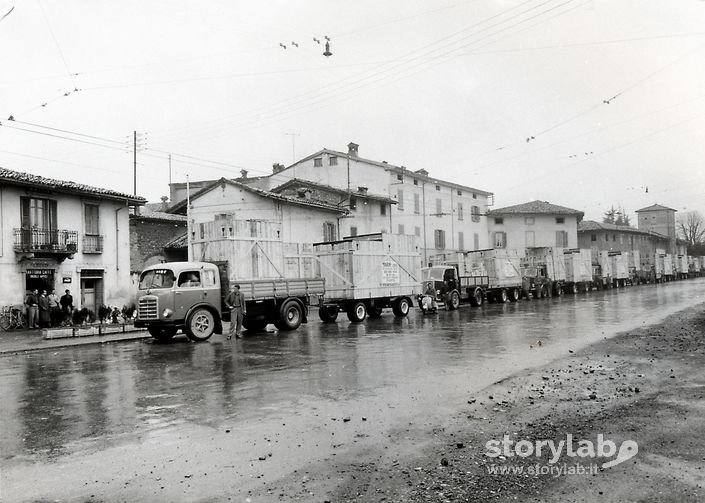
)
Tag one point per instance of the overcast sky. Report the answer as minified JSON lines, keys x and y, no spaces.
{"x":583,"y":103}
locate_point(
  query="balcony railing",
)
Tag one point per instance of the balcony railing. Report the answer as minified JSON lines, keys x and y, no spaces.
{"x":36,"y":239}
{"x":92,"y":244}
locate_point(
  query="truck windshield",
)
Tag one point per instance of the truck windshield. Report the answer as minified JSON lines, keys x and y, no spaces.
{"x":156,"y":278}
{"x":433,"y":273}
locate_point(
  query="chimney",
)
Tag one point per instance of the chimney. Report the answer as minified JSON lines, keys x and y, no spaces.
{"x":352,"y":149}
{"x":277,"y":167}
{"x":243,"y":173}
{"x":164,"y":204}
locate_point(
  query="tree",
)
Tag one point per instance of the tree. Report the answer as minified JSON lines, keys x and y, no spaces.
{"x":691,"y":228}
{"x":616,"y":217}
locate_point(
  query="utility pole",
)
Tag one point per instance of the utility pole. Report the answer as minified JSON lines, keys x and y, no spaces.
{"x":293,"y":145}
{"x":134,"y":162}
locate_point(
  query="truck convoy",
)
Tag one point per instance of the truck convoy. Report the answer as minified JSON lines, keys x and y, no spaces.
{"x":190,"y":296}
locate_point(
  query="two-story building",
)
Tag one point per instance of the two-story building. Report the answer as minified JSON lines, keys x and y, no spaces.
{"x":62,"y":235}
{"x":534,"y":224}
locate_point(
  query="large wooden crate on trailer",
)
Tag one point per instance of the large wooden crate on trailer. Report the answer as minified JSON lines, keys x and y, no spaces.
{"x":618,"y":265}
{"x":682,"y":264}
{"x":578,"y":265}
{"x":502,"y":268}
{"x":605,"y":263}
{"x":367,"y":267}
{"x":668,"y":265}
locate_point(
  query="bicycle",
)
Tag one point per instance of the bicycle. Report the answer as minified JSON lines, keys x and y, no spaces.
{"x":12,"y":317}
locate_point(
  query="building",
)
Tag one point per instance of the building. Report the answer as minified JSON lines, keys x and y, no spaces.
{"x":57,"y":234}
{"x":446,"y":216}
{"x":534,"y":224}
{"x":661,"y":220}
{"x":150,"y":231}
{"x":599,"y":236}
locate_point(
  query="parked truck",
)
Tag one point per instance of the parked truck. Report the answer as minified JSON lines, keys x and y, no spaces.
{"x":682,"y":266}
{"x":543,"y":272}
{"x":189,"y":296}
{"x":366,"y":274}
{"x":578,"y":270}
{"x":619,"y":267}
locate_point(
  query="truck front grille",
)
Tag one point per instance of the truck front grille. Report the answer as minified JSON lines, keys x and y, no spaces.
{"x":148,"y":309}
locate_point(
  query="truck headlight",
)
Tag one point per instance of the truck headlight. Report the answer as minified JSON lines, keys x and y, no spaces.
{"x":167,"y":313}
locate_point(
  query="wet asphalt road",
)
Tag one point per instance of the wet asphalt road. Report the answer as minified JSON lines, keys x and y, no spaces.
{"x":125,"y":420}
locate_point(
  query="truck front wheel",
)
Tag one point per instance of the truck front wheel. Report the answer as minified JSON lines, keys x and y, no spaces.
{"x":476,"y":297}
{"x":400,"y":308}
{"x":291,"y":315}
{"x":162,"y":334}
{"x":357,"y":312}
{"x":453,"y":300}
{"x":200,"y":325}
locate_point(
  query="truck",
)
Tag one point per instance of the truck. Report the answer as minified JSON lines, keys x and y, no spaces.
{"x":619,"y":267}
{"x":669,"y":268}
{"x":366,"y":274}
{"x":602,"y":270}
{"x":682,"y":266}
{"x":634,"y":267}
{"x":543,"y":272}
{"x":190,"y":296}
{"x":476,"y":276}
{"x":578,"y":270}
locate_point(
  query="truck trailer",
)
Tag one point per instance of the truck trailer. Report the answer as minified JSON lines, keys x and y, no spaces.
{"x":578,"y":270}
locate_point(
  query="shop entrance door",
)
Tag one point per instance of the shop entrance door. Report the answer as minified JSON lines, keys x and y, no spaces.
{"x":88,"y":293}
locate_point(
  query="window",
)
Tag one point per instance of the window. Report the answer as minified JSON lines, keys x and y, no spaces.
{"x":560,"y":220}
{"x":499,"y":221}
{"x":593,"y":237}
{"x":621,"y":239}
{"x":475,"y":211}
{"x":383,"y":208}
{"x":202,"y":230}
{"x":190,"y":279}
{"x":39,"y":213}
{"x":460,"y":192}
{"x":529,"y":220}
{"x":416,"y":182}
{"x":561,"y":239}
{"x":208,"y":278}
{"x":353,"y":230}
{"x":91,"y":219}
{"x":400,"y":177}
{"x":333,"y":160}
{"x":439,"y":207}
{"x":461,"y":241}
{"x":460,"y":211}
{"x":438,"y":187}
{"x":400,"y":229}
{"x":614,"y":237}
{"x":475,"y":241}
{"x":439,"y":237}
{"x":417,"y":231}
{"x":500,"y":239}
{"x":530,"y":238}
{"x":417,"y":204}
{"x":400,"y":199}
{"x":353,"y":203}
{"x":474,"y":196}
{"x":318,"y":162}
{"x":329,"y":231}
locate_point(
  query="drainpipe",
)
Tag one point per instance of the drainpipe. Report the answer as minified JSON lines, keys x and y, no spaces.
{"x":423,"y":208}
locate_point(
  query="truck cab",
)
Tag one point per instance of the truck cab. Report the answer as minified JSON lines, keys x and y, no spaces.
{"x":535,"y":281}
{"x":180,"y":295}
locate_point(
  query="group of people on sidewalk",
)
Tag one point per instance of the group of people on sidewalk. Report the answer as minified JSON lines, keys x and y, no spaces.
{"x":48,"y":310}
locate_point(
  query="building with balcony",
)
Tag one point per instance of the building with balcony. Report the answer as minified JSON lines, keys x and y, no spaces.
{"x":61,"y":235}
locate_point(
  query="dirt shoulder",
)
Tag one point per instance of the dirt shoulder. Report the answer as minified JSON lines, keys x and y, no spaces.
{"x":646,"y":385}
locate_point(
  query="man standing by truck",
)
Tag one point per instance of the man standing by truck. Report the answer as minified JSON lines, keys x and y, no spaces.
{"x":236,"y":303}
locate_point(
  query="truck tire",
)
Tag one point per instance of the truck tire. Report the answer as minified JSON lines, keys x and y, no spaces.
{"x":543,"y":292}
{"x":502,"y":296}
{"x":476,"y":297}
{"x":514,"y":295}
{"x":291,"y":314}
{"x":328,"y":314}
{"x":453,"y":301}
{"x":400,"y":308}
{"x":558,"y":289}
{"x":200,"y":325}
{"x":162,"y":334}
{"x":357,"y":312}
{"x":574,"y":288}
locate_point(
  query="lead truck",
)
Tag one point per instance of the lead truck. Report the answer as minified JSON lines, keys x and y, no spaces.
{"x":190,"y":296}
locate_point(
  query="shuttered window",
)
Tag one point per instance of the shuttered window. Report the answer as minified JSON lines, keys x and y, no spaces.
{"x":39,"y":213}
{"x":561,"y":239}
{"x":91,"y":219}
{"x":329,"y":231}
{"x":439,"y":236}
{"x":500,"y":239}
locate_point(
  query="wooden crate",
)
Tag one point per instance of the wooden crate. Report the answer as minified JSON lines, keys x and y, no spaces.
{"x":578,"y":265}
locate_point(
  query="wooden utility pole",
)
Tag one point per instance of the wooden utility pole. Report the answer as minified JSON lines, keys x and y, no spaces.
{"x":134,"y":161}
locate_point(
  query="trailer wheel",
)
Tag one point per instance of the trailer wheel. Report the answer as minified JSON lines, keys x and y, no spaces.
{"x":328,"y":314}
{"x":375,"y":312}
{"x":574,"y":288}
{"x":162,"y":334}
{"x":514,"y":295}
{"x":558,"y":290}
{"x":401,"y":307}
{"x":502,"y":296}
{"x":200,"y":325}
{"x":357,"y":312}
{"x":453,"y":300}
{"x":476,"y":297}
{"x":543,"y":292}
{"x":290,"y":315}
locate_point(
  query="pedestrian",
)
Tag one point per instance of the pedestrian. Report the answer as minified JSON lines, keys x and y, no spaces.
{"x":44,"y":317}
{"x":66,"y":305}
{"x":54,"y":308}
{"x":235,"y":301}
{"x":32,"y":303}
